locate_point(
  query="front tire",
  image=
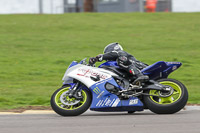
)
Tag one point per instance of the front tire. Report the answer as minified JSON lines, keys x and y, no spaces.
{"x":167,"y":105}
{"x":71,"y":107}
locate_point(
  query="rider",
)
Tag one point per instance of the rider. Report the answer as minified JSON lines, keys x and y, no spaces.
{"x":114,"y":52}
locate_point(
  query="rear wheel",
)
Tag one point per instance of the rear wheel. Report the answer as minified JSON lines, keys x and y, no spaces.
{"x":62,"y":104}
{"x":170,"y":104}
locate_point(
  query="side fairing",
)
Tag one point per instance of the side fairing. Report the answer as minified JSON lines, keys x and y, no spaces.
{"x":106,"y":101}
{"x":84,"y":73}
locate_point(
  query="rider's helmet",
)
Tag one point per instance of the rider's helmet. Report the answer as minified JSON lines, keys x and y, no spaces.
{"x":112,"y":47}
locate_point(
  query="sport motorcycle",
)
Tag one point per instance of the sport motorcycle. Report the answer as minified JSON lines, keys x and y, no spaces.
{"x":108,"y":88}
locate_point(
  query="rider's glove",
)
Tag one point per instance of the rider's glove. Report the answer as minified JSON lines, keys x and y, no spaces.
{"x":99,"y":57}
{"x":92,"y":60}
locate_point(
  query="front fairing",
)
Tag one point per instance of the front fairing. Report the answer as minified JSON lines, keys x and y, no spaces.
{"x":73,"y":64}
{"x":84,"y":73}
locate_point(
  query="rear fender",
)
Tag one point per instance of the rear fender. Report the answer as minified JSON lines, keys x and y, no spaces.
{"x":160,"y":69}
{"x":155,"y":70}
{"x":172,"y":66}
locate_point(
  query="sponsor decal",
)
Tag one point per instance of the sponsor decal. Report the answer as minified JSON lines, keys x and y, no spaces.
{"x":112,"y":102}
{"x":132,"y":102}
{"x":104,"y":102}
{"x":100,"y":94}
{"x":88,"y":72}
{"x":108,"y":102}
{"x":174,"y":68}
{"x":103,"y":81}
{"x":96,"y":90}
{"x":116,"y":102}
{"x":173,"y":62}
{"x":98,"y":104}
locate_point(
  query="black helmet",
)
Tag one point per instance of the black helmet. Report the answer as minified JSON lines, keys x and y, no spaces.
{"x":112,"y":47}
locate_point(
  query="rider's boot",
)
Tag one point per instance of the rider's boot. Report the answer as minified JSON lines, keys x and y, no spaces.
{"x":141,"y":79}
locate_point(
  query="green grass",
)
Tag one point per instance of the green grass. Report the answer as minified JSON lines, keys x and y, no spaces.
{"x":35,"y":50}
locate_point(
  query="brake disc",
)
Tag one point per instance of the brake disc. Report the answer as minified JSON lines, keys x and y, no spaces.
{"x":64,"y":98}
{"x":169,"y":92}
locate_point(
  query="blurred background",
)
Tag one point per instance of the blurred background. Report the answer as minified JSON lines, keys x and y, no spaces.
{"x":43,"y":37}
{"x":71,"y":6}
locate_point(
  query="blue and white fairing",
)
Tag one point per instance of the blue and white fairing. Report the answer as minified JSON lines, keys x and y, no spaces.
{"x":102,"y":99}
{"x":83,"y":73}
{"x":106,"y":101}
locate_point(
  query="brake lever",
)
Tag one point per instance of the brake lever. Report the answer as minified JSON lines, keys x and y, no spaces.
{"x":92,"y":65}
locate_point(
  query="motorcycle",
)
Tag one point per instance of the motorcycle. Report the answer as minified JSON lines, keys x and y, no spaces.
{"x":108,"y":88}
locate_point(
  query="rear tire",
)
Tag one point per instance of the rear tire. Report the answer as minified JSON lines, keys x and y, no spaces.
{"x":131,"y":112}
{"x":70,"y":110}
{"x":171,"y":104}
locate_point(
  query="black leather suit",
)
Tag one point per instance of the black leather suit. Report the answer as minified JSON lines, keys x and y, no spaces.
{"x":125,"y":61}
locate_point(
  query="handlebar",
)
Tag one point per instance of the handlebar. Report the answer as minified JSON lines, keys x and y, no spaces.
{"x":84,"y":62}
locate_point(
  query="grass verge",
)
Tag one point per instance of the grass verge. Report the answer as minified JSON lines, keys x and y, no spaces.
{"x":35,"y":50}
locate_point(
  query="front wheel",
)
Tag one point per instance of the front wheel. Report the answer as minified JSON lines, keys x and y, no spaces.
{"x":63,"y":105}
{"x":167,"y":105}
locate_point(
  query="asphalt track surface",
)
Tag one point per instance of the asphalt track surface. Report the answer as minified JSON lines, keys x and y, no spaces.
{"x":94,"y":122}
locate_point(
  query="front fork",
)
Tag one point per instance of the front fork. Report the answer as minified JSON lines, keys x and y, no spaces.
{"x":75,"y":92}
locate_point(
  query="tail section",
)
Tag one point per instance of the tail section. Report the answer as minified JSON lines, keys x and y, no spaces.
{"x":160,"y":69}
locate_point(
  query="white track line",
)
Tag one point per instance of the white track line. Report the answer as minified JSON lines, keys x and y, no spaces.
{"x":52,"y":112}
